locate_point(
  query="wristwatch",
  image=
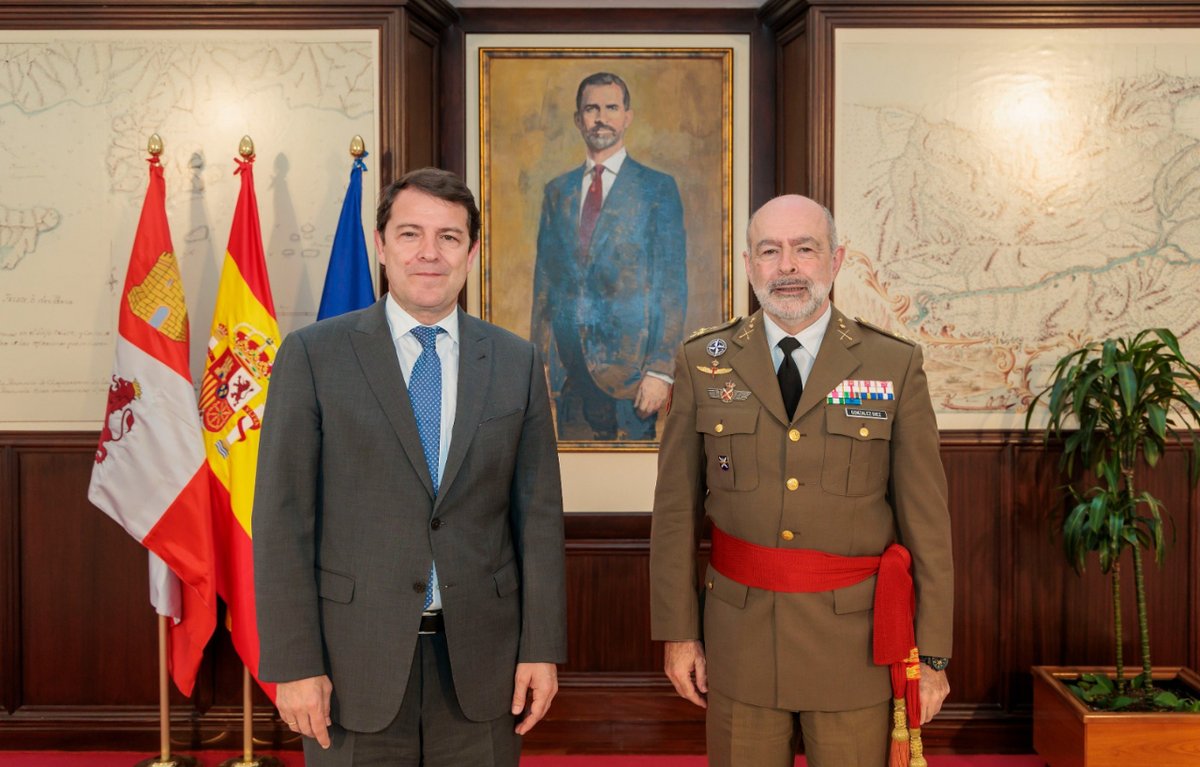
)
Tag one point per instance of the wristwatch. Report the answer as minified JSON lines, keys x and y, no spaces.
{"x":937,"y":664}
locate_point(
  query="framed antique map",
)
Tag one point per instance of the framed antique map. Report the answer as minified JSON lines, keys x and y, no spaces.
{"x":1007,"y":195}
{"x":76,"y":109}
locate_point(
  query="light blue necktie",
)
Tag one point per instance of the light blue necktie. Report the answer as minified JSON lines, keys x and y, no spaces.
{"x":425,"y":391}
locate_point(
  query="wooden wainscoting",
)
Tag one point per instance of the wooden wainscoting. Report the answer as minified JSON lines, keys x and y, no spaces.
{"x":77,"y":637}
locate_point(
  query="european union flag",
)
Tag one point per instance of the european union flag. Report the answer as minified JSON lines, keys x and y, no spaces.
{"x":348,"y":278}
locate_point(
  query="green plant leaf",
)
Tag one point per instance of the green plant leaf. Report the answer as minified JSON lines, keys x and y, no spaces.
{"x":1120,"y":702}
{"x":1128,"y":381}
{"x":1167,"y":699}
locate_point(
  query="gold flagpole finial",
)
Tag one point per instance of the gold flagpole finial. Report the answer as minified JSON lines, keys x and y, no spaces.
{"x":357,"y":147}
{"x":246,"y":147}
{"x":154,"y":145}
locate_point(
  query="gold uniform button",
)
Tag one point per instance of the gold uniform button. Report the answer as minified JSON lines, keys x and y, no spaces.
{"x":719,"y":428}
{"x":864,"y":431}
{"x":793,"y":483}
{"x":710,"y":585}
{"x":794,"y":435}
{"x":787,"y":535}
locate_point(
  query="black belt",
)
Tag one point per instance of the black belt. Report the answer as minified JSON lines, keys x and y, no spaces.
{"x":432,"y":623}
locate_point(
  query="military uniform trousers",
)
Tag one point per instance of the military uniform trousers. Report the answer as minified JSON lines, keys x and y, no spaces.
{"x":742,"y":735}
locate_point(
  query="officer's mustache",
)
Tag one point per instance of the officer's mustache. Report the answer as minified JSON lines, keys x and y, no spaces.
{"x":784,"y":283}
{"x":599,"y":127}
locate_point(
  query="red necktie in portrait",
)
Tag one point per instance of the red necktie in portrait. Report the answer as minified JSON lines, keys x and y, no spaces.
{"x":591,"y":211}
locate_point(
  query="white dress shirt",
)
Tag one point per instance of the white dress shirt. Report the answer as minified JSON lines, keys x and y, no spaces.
{"x":810,"y":342}
{"x":408,"y":348}
{"x":612,"y":166}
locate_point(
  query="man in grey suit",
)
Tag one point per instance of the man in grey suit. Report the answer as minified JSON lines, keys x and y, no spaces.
{"x":408,"y":541}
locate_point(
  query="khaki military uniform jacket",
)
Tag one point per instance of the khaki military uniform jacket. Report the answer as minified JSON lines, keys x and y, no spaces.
{"x":838,"y":478}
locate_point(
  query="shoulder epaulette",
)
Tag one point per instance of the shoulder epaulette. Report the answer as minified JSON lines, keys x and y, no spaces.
{"x":883,"y":332}
{"x":714,"y":328}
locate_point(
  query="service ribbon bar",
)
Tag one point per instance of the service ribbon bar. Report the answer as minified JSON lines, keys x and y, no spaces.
{"x":856,"y":392}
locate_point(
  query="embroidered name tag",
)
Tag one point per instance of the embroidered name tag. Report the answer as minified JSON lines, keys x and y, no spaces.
{"x":858,"y":412}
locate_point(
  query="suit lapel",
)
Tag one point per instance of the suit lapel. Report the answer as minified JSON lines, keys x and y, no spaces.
{"x":834,"y":364}
{"x":753,"y":363}
{"x":569,"y":220}
{"x":474,"y":379}
{"x":376,"y":354}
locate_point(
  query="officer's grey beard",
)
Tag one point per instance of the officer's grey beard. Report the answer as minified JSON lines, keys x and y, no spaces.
{"x":792,"y":309}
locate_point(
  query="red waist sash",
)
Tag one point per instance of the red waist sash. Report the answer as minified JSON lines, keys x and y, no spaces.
{"x":807,"y":571}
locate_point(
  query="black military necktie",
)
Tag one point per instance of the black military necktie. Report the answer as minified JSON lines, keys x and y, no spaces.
{"x":790,"y":384}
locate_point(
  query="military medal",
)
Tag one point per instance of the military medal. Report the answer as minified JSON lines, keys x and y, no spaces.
{"x":723,"y":461}
{"x":717,"y":347}
{"x":714,"y":369}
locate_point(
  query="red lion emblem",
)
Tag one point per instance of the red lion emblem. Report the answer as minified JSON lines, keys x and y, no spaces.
{"x":120,"y":394}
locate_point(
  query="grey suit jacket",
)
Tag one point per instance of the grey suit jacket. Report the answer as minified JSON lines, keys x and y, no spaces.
{"x":345,"y":522}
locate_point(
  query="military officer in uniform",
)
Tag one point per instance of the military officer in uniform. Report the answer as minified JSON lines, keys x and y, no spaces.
{"x":809,"y":441}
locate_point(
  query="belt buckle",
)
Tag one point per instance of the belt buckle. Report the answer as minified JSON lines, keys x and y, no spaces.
{"x":428,"y":614}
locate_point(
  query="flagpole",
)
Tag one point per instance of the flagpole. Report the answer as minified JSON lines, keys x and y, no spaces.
{"x":154,"y":147}
{"x":248,"y":759}
{"x":165,"y":759}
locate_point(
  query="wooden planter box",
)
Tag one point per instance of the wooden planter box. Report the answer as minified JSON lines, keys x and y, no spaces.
{"x":1068,"y":734}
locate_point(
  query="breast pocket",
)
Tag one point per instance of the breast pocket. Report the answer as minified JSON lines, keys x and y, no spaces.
{"x":730,"y":446}
{"x":857,"y":451}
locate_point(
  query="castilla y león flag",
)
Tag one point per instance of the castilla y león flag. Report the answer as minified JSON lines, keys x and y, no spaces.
{"x":241,"y":353}
{"x":150,"y":473}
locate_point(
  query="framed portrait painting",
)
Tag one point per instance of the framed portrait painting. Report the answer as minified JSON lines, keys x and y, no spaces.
{"x":607,"y":271}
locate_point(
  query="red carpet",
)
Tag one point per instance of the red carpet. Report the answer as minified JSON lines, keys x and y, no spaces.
{"x":294,"y":759}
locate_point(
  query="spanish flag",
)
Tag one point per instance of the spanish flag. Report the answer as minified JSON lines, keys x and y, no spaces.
{"x":241,"y":352}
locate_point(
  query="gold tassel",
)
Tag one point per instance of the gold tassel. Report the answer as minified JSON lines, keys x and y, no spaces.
{"x":918,"y":755}
{"x":898,"y":752}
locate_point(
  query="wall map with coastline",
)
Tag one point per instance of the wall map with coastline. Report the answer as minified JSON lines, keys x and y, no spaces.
{"x":76,"y":109}
{"x":1008,"y":196}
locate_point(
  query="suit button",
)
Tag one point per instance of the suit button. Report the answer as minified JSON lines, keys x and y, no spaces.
{"x":436,"y":524}
{"x":710,"y":585}
{"x":787,"y":535}
{"x":419,"y":587}
{"x":864,"y":431}
{"x":794,"y":435}
{"x":719,"y":428}
{"x":793,"y":483}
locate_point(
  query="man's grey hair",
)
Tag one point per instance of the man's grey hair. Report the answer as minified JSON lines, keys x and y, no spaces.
{"x":833,"y":240}
{"x":600,"y":78}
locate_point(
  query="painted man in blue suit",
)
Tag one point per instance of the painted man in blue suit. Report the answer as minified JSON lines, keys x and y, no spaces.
{"x":610,"y":285}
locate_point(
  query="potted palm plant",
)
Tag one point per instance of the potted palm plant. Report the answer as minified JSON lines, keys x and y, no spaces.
{"x":1114,"y":404}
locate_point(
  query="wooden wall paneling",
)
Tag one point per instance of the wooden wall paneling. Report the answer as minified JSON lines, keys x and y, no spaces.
{"x":10,"y":669}
{"x":420,"y":96}
{"x":791,"y":175}
{"x":1169,"y":592}
{"x":977,"y":531}
{"x":84,"y":639}
{"x":1193,"y":577}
